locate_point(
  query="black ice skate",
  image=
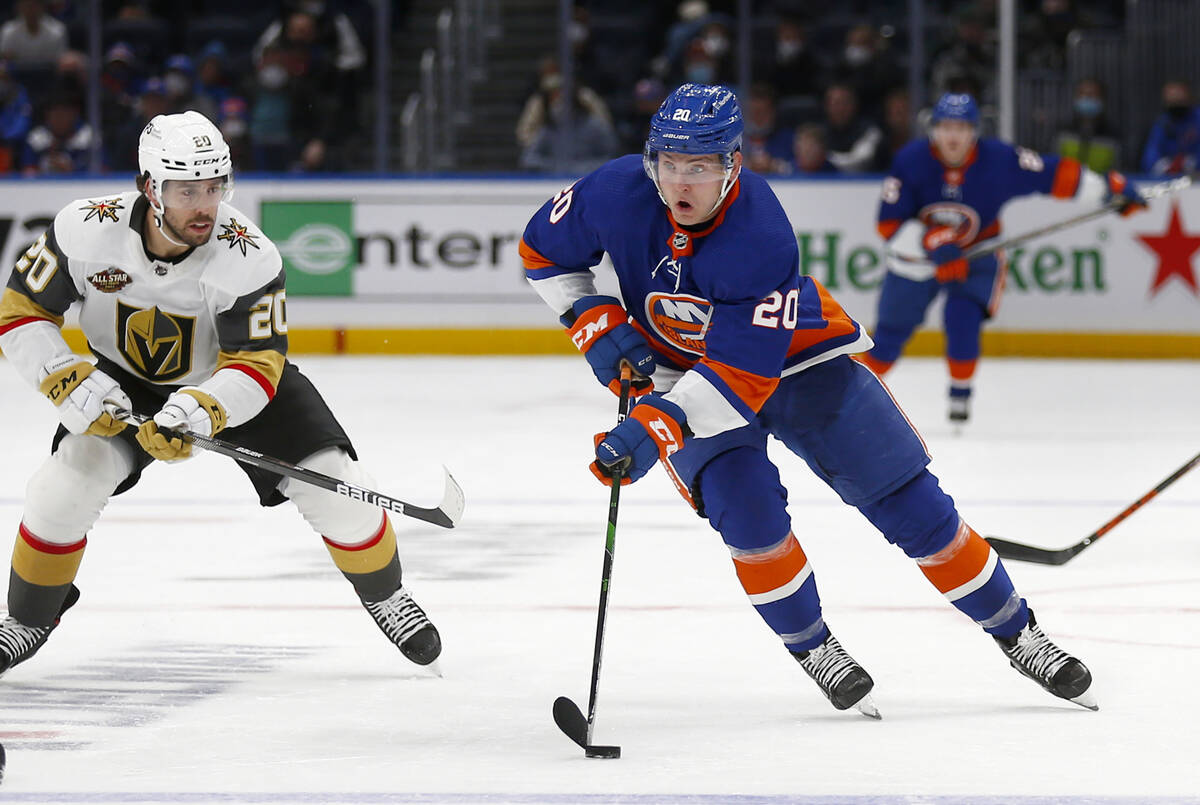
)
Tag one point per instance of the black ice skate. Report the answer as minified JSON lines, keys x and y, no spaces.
{"x":843,"y":681}
{"x":960,"y":410}
{"x":1032,"y":653}
{"x":19,"y":642}
{"x":406,"y":625}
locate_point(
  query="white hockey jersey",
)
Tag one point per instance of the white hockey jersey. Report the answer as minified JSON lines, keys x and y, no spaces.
{"x":171,"y":322}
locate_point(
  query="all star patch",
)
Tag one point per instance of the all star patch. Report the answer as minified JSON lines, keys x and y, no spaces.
{"x":110,"y":280}
{"x":103,"y":210}
{"x":237,"y":235}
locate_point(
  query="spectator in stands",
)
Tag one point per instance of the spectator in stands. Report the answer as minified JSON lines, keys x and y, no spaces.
{"x":71,"y":75}
{"x":766,"y":145}
{"x":33,"y":39}
{"x":534,"y":114}
{"x":648,"y":95}
{"x":705,"y":58}
{"x":1090,"y":137}
{"x":793,"y":68}
{"x":16,"y":118}
{"x":211,"y":79}
{"x":591,"y":142}
{"x":235,"y":128}
{"x":970,"y":55}
{"x":62,"y":143}
{"x":179,"y":77}
{"x":850,"y":137}
{"x":289,"y":123}
{"x":1043,"y":35}
{"x":122,"y":148}
{"x":809,"y":153}
{"x":1173,"y":146}
{"x":868,"y":67}
{"x":118,"y":89}
{"x":897,"y":129}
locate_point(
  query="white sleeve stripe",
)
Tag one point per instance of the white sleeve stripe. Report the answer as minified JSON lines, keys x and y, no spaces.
{"x":1092,"y":187}
{"x":238,"y":393}
{"x":708,"y":412}
{"x":31,"y":346}
{"x":981,"y":578}
{"x":563,"y":290}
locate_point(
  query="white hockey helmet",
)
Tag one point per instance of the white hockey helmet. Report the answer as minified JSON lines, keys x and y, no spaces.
{"x":183,"y":147}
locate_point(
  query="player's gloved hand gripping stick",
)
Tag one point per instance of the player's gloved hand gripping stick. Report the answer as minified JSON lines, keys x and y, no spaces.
{"x":567,"y":714}
{"x":447,"y":514}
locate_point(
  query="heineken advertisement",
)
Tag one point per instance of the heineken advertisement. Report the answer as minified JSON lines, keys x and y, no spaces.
{"x":435,"y":255}
{"x":316,"y":239}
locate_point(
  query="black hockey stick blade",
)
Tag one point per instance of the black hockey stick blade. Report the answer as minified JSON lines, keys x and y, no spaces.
{"x":570,"y":720}
{"x":1029,"y":553}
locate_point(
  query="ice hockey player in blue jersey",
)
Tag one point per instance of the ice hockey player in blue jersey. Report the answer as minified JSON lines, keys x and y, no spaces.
{"x":736,"y":345}
{"x":943,"y":197}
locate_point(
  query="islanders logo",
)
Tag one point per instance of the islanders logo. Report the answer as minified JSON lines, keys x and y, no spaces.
{"x":959,"y":217}
{"x":680,"y":319}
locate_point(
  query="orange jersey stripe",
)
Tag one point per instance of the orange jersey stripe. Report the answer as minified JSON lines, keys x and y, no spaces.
{"x":888,"y":228}
{"x":531,"y":258}
{"x":837,"y":323}
{"x":750,"y":388}
{"x":1066,"y":178}
{"x":959,"y":563}
{"x":763,"y":572}
{"x":961,"y":370}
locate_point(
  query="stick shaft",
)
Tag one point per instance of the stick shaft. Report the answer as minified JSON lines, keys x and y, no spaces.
{"x":610,"y":545}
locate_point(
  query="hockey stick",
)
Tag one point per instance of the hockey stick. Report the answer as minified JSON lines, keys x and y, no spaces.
{"x":447,"y":514}
{"x":986,"y":248}
{"x":567,"y":714}
{"x":1045,"y":556}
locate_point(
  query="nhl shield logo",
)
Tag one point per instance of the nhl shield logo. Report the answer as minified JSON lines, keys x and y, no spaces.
{"x":155,"y":343}
{"x":110,"y":280}
{"x":680,"y":241}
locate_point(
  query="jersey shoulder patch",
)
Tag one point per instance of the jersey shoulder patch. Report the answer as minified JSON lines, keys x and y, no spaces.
{"x":240,"y":257}
{"x":96,"y":227}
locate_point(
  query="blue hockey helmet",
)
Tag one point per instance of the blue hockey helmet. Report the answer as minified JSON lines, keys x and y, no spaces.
{"x":956,"y":106}
{"x":696,"y":119}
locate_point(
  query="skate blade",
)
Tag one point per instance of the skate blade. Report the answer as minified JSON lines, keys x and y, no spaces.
{"x":866,"y":706}
{"x":1086,"y":699}
{"x":435,"y":668}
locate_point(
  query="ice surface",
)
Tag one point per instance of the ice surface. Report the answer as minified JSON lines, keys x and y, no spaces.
{"x":216,"y":654}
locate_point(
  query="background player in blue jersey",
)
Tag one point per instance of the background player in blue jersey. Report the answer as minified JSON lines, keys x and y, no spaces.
{"x":739,"y":345}
{"x":943,"y":197}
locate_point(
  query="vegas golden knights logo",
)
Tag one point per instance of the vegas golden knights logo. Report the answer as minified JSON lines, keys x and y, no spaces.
{"x":157,"y":344}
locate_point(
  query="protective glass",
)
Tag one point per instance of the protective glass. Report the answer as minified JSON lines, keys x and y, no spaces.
{"x":196,"y":194}
{"x":676,"y":168}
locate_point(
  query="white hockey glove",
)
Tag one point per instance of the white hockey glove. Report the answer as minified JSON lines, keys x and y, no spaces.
{"x":79,"y":390}
{"x":189,"y":409}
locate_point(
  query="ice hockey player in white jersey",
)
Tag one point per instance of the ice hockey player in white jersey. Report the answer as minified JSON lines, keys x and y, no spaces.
{"x":182,"y":301}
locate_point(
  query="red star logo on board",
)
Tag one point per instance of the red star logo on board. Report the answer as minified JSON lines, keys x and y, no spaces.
{"x":237,"y":235}
{"x":105,"y":209}
{"x":1174,"y":249}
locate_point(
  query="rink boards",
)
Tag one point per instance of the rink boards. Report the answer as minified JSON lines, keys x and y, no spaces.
{"x":386,"y":265}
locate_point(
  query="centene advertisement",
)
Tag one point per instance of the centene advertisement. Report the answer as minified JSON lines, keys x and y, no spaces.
{"x":400,"y":253}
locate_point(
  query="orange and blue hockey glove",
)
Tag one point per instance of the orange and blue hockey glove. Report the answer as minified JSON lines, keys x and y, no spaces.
{"x":600,"y":328}
{"x":654,"y":430}
{"x":945,"y":254}
{"x":1128,"y":198}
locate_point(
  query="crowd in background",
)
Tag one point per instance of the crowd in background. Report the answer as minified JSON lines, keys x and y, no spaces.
{"x":282,"y":80}
{"x":833,"y":99}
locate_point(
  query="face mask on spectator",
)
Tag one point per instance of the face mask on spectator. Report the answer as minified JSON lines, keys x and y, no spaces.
{"x":272,"y":76}
{"x":788,"y":49}
{"x":1179,"y":111}
{"x":177,"y":84}
{"x":715,"y":45}
{"x":1088,"y":106}
{"x":577,"y":32}
{"x":700,"y":73}
{"x":857,"y":55}
{"x":233,"y":128}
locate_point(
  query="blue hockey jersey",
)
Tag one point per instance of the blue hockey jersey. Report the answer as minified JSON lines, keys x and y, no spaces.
{"x":968,"y":198}
{"x":725,"y":307}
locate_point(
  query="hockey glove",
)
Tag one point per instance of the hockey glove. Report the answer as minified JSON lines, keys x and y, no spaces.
{"x":944,"y":253}
{"x":654,"y":430}
{"x":1129,"y":199}
{"x":600,"y":328}
{"x":188,"y":409}
{"x":79,"y":390}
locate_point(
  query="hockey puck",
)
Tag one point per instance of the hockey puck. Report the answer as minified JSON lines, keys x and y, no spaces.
{"x":602,"y":751}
